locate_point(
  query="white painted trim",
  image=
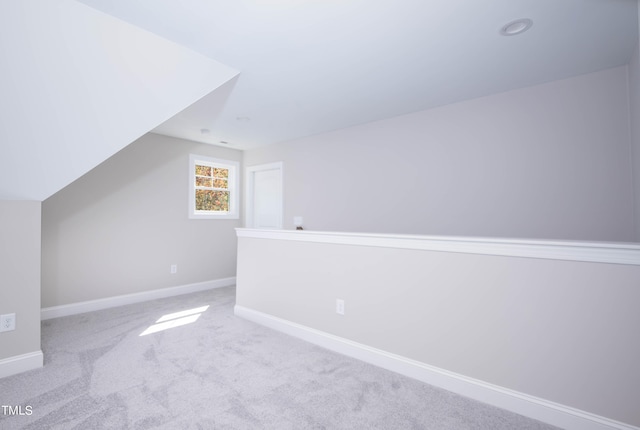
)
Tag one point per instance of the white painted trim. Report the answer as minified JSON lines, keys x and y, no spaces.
{"x":21,"y":363}
{"x":249,"y":181}
{"x":540,"y":409}
{"x":598,"y":252}
{"x":234,"y":187}
{"x":127,"y":299}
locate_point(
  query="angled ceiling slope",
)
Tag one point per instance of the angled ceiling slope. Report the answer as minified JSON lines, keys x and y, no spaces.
{"x":78,"y":85}
{"x":312,"y":66}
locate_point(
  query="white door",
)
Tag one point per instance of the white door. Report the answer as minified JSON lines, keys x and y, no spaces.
{"x":264,"y":196}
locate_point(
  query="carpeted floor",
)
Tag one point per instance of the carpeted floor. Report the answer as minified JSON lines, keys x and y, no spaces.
{"x":219,"y":372}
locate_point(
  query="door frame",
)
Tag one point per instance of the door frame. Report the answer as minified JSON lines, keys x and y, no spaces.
{"x":250,"y":175}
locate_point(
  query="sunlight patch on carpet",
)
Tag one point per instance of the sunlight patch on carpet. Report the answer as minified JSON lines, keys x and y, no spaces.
{"x":175,"y":319}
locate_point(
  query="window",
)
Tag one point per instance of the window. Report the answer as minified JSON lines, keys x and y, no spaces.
{"x":213,"y":189}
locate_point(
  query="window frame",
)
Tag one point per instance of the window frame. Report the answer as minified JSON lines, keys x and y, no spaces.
{"x":232,"y":183}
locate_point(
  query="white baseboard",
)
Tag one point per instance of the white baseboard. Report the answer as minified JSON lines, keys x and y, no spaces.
{"x":20,"y":363}
{"x":540,"y":409}
{"x":127,"y":299}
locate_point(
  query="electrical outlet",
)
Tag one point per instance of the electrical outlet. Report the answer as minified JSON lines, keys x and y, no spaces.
{"x":340,"y":306}
{"x":174,"y":269}
{"x":7,"y":322}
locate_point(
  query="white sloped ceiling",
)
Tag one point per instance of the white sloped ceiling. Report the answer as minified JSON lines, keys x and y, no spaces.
{"x":313,"y":66}
{"x":78,"y":85}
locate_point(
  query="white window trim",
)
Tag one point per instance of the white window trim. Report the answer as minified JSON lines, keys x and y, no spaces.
{"x":234,"y":187}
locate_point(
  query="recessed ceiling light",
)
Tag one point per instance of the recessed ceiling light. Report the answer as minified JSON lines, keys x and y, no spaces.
{"x":205,"y":131}
{"x":243,"y":118}
{"x":518,"y":26}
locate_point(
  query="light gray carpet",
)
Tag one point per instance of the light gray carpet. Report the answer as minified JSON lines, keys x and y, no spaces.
{"x":220,"y":372}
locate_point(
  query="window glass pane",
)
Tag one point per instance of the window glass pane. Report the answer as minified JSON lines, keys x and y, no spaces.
{"x":204,"y":182}
{"x":220,"y":173}
{"x":220,"y":183}
{"x":203,"y":170}
{"x":208,"y":200}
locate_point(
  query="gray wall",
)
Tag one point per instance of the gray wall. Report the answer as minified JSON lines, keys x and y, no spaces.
{"x":550,"y":161}
{"x":118,"y":229}
{"x":20,"y":275}
{"x":634,"y":112}
{"x":565,"y":331}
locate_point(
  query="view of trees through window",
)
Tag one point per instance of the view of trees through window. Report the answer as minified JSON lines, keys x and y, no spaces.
{"x":212,"y":188}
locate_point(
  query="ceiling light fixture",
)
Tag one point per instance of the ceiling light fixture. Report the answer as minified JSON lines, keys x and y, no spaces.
{"x":518,"y":26}
{"x":205,"y":131}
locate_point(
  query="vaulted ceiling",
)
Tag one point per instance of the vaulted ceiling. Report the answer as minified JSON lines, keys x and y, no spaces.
{"x":77,"y":85}
{"x":310,"y":66}
{"x":81,"y":79}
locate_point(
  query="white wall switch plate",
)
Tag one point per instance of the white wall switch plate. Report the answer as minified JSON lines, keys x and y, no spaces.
{"x":174,"y":269}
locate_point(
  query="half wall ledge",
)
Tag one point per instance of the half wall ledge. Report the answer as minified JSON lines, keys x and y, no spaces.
{"x":543,"y":328}
{"x":594,"y":252}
